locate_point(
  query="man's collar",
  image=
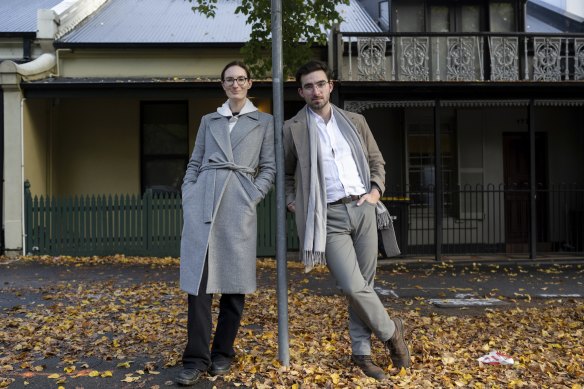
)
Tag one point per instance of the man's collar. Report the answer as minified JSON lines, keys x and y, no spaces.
{"x":317,"y":117}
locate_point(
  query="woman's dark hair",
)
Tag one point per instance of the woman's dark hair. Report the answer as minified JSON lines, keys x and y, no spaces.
{"x":310,"y":67}
{"x":235,"y":63}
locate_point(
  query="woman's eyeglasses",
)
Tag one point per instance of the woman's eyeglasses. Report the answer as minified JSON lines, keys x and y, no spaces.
{"x":229,"y":81}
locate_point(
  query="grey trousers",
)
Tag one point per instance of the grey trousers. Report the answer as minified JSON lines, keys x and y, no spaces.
{"x":351,"y":252}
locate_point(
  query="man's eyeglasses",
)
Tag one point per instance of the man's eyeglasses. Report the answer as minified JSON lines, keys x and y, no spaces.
{"x":229,"y":81}
{"x":311,"y":87}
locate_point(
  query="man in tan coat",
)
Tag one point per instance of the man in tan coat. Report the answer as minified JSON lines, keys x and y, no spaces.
{"x":334,"y":178}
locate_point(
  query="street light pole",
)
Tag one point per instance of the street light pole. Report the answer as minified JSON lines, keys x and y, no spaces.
{"x":278,"y":110}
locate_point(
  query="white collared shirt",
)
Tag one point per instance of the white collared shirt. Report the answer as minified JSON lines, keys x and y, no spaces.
{"x":224,"y":110}
{"x":341,"y":175}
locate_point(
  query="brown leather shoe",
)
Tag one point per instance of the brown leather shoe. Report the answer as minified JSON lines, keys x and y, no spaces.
{"x":397,"y":347}
{"x":369,"y":368}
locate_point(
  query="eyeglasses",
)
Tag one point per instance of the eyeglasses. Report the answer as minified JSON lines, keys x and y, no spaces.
{"x":311,"y":87}
{"x":229,"y":81}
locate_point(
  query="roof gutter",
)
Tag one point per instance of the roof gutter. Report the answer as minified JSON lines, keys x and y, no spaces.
{"x":142,"y":45}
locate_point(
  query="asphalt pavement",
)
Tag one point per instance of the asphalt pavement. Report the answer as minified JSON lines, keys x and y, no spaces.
{"x":462,"y":287}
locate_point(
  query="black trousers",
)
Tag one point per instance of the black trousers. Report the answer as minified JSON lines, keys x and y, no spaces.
{"x":199,"y":322}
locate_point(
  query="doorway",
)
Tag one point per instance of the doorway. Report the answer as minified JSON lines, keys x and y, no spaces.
{"x":516,"y":176}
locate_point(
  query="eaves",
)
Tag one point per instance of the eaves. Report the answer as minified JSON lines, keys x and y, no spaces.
{"x":133,"y":87}
{"x":18,"y":34}
{"x":144,"y":45}
{"x":460,"y":90}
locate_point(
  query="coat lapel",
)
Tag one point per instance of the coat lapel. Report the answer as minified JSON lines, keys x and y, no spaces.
{"x":299,"y":130}
{"x":245,"y":124}
{"x":220,"y":130}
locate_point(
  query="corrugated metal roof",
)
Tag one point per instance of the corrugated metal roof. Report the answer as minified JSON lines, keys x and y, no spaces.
{"x":532,"y":24}
{"x":173,"y":21}
{"x":356,"y":19}
{"x":20,"y":16}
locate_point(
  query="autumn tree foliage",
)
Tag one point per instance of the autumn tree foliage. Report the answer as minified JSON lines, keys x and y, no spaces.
{"x":305,"y":24}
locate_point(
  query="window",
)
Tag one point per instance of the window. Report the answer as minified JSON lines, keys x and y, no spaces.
{"x":408,"y":16}
{"x":455,"y":17}
{"x":442,"y":16}
{"x":164,"y":145}
{"x":502,"y":17}
{"x":420,"y":146}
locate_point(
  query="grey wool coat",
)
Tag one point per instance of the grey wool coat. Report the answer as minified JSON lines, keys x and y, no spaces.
{"x":226,"y":177}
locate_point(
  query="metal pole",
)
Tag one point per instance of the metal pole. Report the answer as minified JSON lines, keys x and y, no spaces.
{"x":532,"y":185}
{"x":438,"y":189}
{"x":278,"y":110}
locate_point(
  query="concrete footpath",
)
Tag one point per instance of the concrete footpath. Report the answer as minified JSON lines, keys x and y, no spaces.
{"x":463,"y":287}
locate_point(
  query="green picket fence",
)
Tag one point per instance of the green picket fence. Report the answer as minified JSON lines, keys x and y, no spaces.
{"x":148,"y":225}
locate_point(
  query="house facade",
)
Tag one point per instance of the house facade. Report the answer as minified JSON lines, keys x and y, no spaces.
{"x":476,"y":105}
{"x":117,"y":114}
{"x":481,"y":124}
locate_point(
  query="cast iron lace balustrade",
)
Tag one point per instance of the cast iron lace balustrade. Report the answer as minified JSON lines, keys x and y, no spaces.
{"x":547,"y":59}
{"x":579,"y":58}
{"x":466,"y":57}
{"x":414,"y":58}
{"x":504,"y":58}
{"x":460,"y":60}
{"x":371,"y":60}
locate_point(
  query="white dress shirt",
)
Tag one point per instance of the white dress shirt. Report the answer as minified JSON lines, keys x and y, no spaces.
{"x":224,"y":110}
{"x":341,"y":176}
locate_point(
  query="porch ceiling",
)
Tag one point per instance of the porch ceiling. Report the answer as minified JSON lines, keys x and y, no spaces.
{"x":484,"y":92}
{"x":132,"y":87}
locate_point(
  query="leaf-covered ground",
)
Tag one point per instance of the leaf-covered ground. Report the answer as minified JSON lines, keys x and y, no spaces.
{"x":122,"y":323}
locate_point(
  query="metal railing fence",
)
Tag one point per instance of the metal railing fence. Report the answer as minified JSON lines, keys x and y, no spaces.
{"x":148,"y":225}
{"x":477,"y":220}
{"x":489,"y":219}
{"x":472,"y":57}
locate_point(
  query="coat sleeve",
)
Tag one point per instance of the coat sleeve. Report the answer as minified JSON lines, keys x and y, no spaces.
{"x":376,"y":161}
{"x":267,"y":163}
{"x":290,"y":162}
{"x":196,"y":160}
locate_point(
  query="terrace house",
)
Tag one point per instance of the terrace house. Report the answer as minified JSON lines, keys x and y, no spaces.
{"x":478,"y":107}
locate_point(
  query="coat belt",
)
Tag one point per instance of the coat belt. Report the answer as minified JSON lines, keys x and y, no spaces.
{"x":240,"y":172}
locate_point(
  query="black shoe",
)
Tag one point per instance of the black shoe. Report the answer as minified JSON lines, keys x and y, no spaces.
{"x":397,"y":347}
{"x":220,"y":366}
{"x":188,"y":377}
{"x":369,"y":368}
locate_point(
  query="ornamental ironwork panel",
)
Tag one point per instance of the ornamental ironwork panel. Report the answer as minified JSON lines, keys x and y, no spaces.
{"x":579,"y":59}
{"x":547,"y":56}
{"x":504,"y":52}
{"x":371,"y":59}
{"x":460,"y":58}
{"x":414,"y":59}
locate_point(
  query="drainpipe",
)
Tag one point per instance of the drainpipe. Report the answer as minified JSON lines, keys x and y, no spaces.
{"x":58,"y":61}
{"x":23,"y":202}
{"x":1,"y":172}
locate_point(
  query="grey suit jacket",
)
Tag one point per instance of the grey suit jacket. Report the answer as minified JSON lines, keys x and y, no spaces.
{"x":297,"y":161}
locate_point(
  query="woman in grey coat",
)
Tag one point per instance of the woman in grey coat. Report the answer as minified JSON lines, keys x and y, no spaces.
{"x":230,"y":171}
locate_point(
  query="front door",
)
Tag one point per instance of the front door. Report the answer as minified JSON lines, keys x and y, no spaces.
{"x":516,"y":173}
